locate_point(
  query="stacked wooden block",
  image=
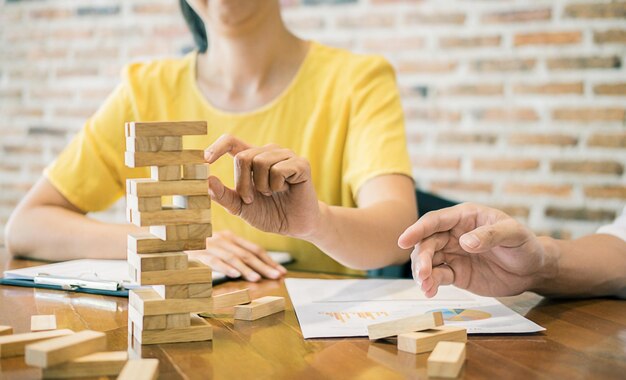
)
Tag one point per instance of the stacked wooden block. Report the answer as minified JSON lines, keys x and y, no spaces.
{"x":161,"y":313}
{"x":425,"y":333}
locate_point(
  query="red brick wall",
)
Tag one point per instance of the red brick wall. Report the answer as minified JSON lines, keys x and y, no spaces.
{"x":512,"y":103}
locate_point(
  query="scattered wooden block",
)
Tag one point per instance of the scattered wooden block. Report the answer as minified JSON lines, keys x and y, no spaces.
{"x":165,"y":173}
{"x":259,"y":308}
{"x":182,"y":231}
{"x":146,"y":322}
{"x":147,"y":243}
{"x":43,"y":322}
{"x":139,"y":159}
{"x":200,"y":290}
{"x":238,"y":297}
{"x":195,"y":171}
{"x":144,"y":187}
{"x":62,"y":349}
{"x":404,"y":325}
{"x":173,"y":291}
{"x":140,"y":369}
{"x":166,"y":128}
{"x":146,"y":262}
{"x":92,"y":365}
{"x":157,"y":218}
{"x":425,"y":341}
{"x":143,"y":203}
{"x":177,"y":321}
{"x":194,"y":274}
{"x":192,"y":202}
{"x":14,"y":345}
{"x":198,"y":331}
{"x":154,"y":143}
{"x":446,"y":360}
{"x":6,"y":330}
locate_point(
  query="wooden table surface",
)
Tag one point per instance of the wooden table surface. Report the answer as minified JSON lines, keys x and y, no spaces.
{"x":584,"y":339}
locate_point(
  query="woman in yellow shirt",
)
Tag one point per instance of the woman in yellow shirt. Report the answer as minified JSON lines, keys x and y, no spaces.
{"x":336,"y":179}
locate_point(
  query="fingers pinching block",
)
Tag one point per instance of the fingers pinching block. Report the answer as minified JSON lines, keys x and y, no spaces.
{"x":162,"y":314}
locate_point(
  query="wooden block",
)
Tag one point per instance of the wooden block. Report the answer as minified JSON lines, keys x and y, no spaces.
{"x":92,"y":365}
{"x":446,"y":360}
{"x":238,"y":297}
{"x":62,"y":349}
{"x":147,"y":243}
{"x":195,"y":171}
{"x":146,"y":262}
{"x":145,"y":187}
{"x":194,"y":274}
{"x":165,"y":173}
{"x":43,"y":322}
{"x":166,"y":128}
{"x":154,"y":144}
{"x":157,"y":218}
{"x":425,"y":341}
{"x":200,"y":290}
{"x":173,"y":291}
{"x":139,"y":159}
{"x":177,"y":321}
{"x":148,"y":302}
{"x":192,"y":202}
{"x":140,"y":369}
{"x":198,"y":331}
{"x":146,"y":322}
{"x":259,"y":308}
{"x":13,"y":345}
{"x":182,"y":231}
{"x":405,"y":325}
{"x":136,"y":203}
{"x":6,"y":330}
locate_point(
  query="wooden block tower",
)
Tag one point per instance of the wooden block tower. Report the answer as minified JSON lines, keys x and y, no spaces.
{"x":161,"y":313}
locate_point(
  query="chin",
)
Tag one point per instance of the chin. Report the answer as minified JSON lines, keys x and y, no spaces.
{"x":232,"y":15}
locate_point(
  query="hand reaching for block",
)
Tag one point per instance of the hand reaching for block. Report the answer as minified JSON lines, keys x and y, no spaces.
{"x":273,"y":187}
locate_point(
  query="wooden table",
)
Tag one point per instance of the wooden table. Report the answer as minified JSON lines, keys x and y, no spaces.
{"x":584,"y":339}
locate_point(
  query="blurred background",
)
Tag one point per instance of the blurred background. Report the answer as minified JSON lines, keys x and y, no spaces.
{"x":516,"y":104}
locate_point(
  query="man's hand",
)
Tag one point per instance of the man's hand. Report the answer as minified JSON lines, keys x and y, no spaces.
{"x":474,"y":247}
{"x":237,"y":257}
{"x":273,"y":187}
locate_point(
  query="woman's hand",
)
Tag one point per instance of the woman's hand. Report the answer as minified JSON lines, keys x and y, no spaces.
{"x":235,"y":256}
{"x":273,"y":188}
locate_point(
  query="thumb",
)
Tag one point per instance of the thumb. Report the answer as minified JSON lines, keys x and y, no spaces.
{"x":227,"y":198}
{"x":508,"y":233}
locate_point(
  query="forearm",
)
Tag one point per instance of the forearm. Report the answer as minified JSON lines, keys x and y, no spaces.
{"x":54,"y":233}
{"x":364,"y":238}
{"x":593,"y":265}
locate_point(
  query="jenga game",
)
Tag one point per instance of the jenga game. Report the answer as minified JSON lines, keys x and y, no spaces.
{"x":161,"y":313}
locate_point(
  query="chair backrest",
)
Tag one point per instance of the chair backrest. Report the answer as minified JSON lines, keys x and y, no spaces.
{"x":426,"y":202}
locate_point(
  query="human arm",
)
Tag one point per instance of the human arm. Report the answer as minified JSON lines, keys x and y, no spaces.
{"x":489,"y":253}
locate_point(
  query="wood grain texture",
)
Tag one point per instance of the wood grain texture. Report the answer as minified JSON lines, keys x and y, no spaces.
{"x":173,"y":291}
{"x":200,"y":290}
{"x":154,"y":144}
{"x":196,"y":171}
{"x":404,"y":325}
{"x":65,"y":348}
{"x":446,"y":360}
{"x":140,"y":369}
{"x":168,"y":217}
{"x":182,"y":231}
{"x":177,"y":321}
{"x":148,"y":243}
{"x":166,"y":128}
{"x":259,"y":308}
{"x":425,"y":341}
{"x":147,"y":322}
{"x":191,"y":275}
{"x":147,"y":302}
{"x":98,"y":364}
{"x":13,"y":345}
{"x":146,"y":262}
{"x":146,"y":187}
{"x":43,"y":322}
{"x":136,"y":203}
{"x":198,"y":331}
{"x":139,"y":159}
{"x":192,"y":202}
{"x":166,"y":173}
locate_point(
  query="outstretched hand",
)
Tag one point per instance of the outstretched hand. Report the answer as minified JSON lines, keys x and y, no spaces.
{"x":473,"y":247}
{"x":273,"y":188}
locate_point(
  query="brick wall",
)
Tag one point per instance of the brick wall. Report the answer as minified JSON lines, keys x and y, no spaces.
{"x":516,"y":104}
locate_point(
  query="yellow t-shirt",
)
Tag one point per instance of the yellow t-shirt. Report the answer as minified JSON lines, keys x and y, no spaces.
{"x":341,"y":112}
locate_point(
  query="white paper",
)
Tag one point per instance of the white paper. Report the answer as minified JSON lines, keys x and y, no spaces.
{"x":344,"y":308}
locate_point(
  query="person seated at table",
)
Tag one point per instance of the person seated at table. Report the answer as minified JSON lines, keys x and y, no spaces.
{"x":317,"y":135}
{"x":489,"y":253}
